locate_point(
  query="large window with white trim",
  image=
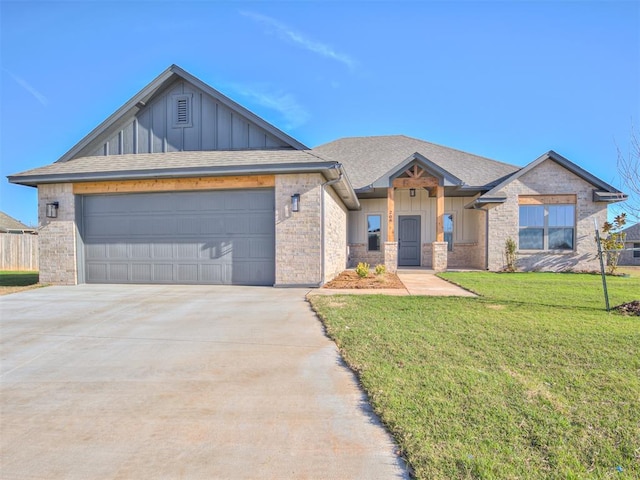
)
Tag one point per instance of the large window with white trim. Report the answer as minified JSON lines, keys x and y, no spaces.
{"x":547,"y":227}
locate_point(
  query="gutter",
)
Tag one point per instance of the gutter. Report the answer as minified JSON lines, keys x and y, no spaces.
{"x":328,"y":183}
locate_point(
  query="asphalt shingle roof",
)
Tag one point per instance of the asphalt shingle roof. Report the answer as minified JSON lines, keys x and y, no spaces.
{"x":366,"y":159}
{"x":8,"y":223}
{"x":173,"y":161}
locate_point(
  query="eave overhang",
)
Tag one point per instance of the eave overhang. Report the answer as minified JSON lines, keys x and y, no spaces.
{"x":486,"y":203}
{"x":330,"y":171}
{"x":609,"y":197}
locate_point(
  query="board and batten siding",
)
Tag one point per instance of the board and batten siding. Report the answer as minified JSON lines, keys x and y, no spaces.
{"x":212,"y":126}
{"x":467,"y":223}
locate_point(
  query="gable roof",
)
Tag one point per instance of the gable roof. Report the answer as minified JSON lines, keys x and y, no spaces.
{"x":370,"y":160}
{"x":603,"y":193}
{"x":10,"y":224}
{"x":166,"y":78}
{"x":633,"y":233}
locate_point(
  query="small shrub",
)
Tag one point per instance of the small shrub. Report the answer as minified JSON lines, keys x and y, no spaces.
{"x":362,"y":269}
{"x":510,"y":249}
{"x":381,"y":269}
{"x":613,"y":242}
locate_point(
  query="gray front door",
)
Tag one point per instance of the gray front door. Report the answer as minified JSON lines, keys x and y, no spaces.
{"x":208,"y":237}
{"x":409,"y":241}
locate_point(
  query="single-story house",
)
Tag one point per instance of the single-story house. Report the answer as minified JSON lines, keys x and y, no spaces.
{"x":184,"y":185}
{"x":9,"y":224}
{"x":631,"y":254}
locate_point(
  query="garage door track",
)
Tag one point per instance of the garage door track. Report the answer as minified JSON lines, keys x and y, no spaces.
{"x":139,"y":381}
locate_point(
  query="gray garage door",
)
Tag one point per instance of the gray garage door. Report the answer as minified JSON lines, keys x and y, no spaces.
{"x":217,"y":237}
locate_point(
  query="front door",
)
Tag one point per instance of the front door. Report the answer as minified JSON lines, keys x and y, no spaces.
{"x":409,"y":240}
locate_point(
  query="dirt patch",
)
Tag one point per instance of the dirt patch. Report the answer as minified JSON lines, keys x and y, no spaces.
{"x":8,"y":290}
{"x":350,"y":279}
{"x":631,"y":308}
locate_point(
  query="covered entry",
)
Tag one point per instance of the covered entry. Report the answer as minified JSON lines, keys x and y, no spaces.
{"x":203,"y":237}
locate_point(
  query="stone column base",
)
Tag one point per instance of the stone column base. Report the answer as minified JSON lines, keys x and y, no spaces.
{"x":439,"y":256}
{"x":391,"y":256}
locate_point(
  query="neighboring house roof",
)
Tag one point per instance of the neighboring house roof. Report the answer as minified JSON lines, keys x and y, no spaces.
{"x":633,"y":233}
{"x":603,"y":191}
{"x":11,"y":225}
{"x":370,"y":160}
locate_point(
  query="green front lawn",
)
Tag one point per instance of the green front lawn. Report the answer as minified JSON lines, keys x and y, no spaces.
{"x":531,"y":380}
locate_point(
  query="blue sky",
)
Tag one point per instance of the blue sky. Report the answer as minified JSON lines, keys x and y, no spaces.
{"x":506,"y":80}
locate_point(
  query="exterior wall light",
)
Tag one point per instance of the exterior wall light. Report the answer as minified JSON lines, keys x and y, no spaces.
{"x":52,"y":209}
{"x":295,"y":202}
{"x":412,"y":192}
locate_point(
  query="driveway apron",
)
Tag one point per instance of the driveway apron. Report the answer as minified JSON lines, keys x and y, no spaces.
{"x":166,"y":382}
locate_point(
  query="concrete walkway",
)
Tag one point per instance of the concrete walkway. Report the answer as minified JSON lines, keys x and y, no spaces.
{"x":417,"y":281}
{"x":424,"y":282}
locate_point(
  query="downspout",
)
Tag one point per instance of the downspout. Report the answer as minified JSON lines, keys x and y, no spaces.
{"x":486,"y":239}
{"x":322,"y":225}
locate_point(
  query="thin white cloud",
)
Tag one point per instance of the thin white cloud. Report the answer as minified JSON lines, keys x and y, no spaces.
{"x":287,"y":33}
{"x":23,"y":83}
{"x":285,"y":104}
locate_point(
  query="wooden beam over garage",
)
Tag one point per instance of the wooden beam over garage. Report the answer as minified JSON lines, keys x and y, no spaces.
{"x":175,"y":184}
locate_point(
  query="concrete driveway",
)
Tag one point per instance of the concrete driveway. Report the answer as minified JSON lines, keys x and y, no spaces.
{"x":134,"y":382}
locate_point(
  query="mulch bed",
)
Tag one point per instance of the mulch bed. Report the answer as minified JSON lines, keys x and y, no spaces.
{"x":350,"y":279}
{"x":631,"y":308}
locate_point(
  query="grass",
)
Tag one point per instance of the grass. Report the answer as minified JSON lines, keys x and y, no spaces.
{"x":531,"y":380}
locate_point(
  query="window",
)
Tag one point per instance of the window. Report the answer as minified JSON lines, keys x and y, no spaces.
{"x":636,"y":251}
{"x":448,"y":230}
{"x":547,"y":227}
{"x":373,"y":232}
{"x":182,"y":111}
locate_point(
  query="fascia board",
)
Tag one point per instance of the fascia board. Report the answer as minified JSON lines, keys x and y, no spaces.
{"x":142,"y":96}
{"x":448,"y":180}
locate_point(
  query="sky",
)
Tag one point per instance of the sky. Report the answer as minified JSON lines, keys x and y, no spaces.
{"x":508,"y":80}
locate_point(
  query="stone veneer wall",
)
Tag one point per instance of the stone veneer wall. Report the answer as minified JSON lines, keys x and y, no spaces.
{"x":463,"y":255}
{"x":298,"y":237}
{"x":57,"y":236}
{"x":358,"y":253}
{"x":335,"y":237}
{"x":548,"y":178}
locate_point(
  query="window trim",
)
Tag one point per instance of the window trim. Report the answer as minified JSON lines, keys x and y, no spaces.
{"x":373,"y":214}
{"x":545,"y":202}
{"x":636,"y":253}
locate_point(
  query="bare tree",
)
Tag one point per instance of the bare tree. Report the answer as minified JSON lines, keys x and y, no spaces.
{"x":629,"y":171}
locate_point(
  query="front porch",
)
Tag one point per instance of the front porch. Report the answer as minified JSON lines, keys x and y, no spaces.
{"x":417,"y":220}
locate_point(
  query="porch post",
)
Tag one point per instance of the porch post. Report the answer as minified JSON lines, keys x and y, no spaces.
{"x":390,"y":246}
{"x":390,"y":215}
{"x":439,"y":214}
{"x":439,"y":247}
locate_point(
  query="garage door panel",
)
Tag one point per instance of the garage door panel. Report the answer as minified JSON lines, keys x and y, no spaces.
{"x":220,"y":237}
{"x":141,"y":271}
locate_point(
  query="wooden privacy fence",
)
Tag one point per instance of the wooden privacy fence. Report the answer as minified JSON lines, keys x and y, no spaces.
{"x":18,"y":251}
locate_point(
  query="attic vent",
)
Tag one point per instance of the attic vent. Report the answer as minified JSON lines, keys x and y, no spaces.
{"x":182,"y":111}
